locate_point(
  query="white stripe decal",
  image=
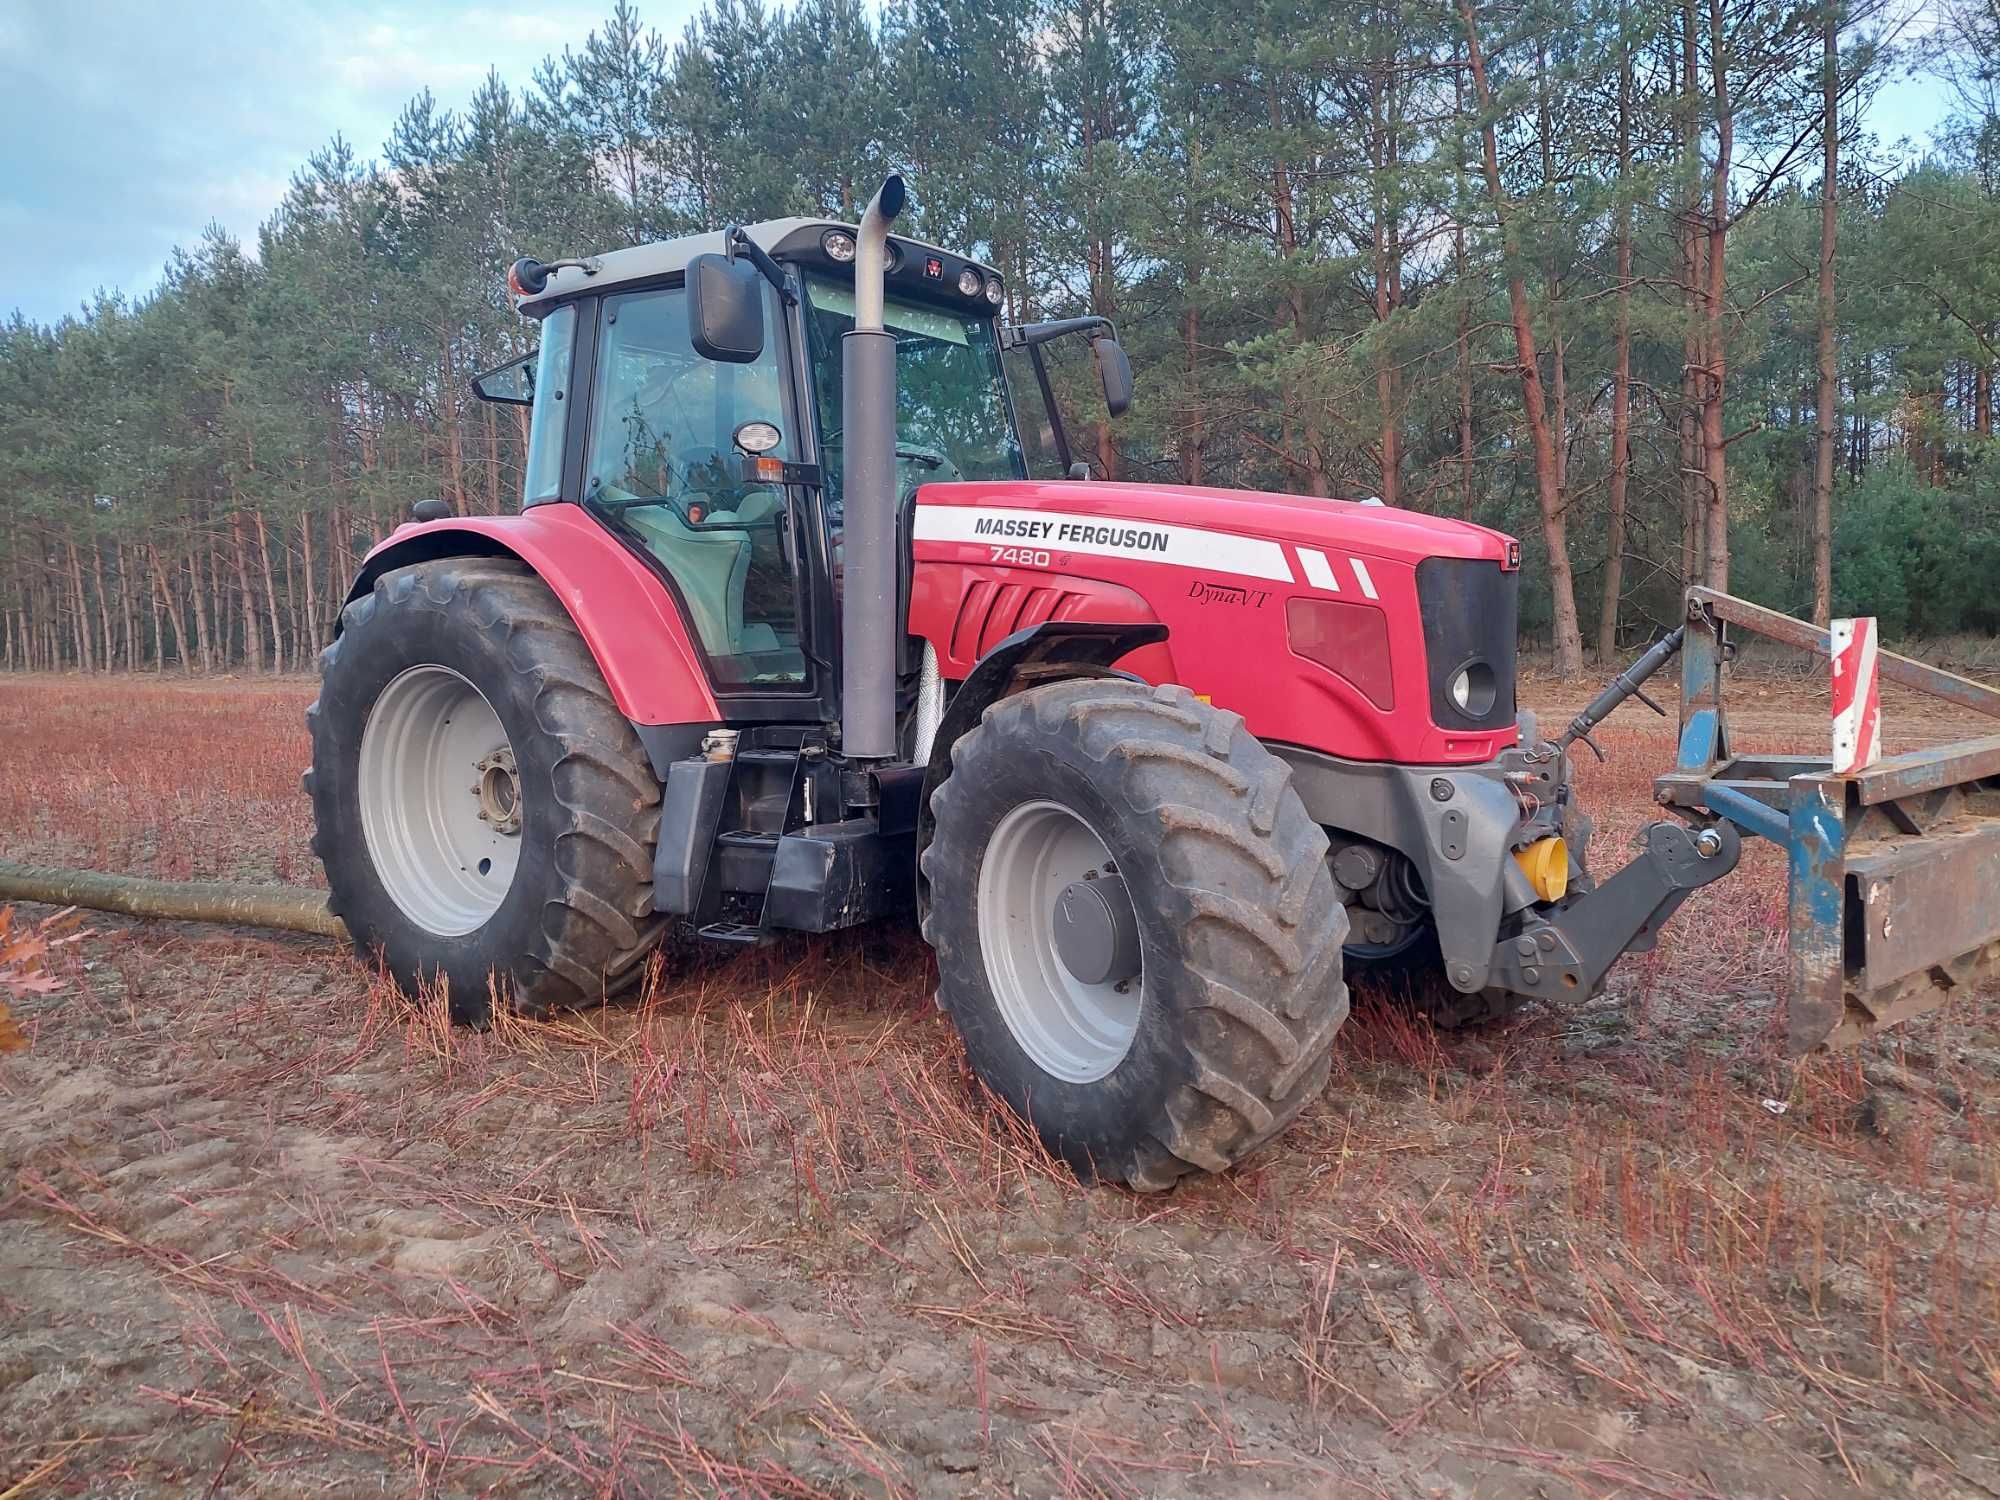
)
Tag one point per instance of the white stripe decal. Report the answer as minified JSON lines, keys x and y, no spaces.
{"x":1361,"y":577}
{"x":1105,"y":536}
{"x":1318,"y":574}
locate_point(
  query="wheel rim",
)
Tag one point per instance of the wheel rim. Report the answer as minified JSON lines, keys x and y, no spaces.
{"x":440,"y":801}
{"x":1073,"y":1030}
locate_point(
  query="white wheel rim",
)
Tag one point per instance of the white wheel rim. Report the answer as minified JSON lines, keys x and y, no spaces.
{"x":1074,"y":1031}
{"x":429,"y":741}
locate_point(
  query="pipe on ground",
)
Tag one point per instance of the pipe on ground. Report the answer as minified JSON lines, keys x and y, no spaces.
{"x":286,"y":908}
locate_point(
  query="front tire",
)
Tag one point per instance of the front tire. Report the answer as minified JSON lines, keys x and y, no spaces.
{"x":484,"y":813}
{"x":1101,"y":790}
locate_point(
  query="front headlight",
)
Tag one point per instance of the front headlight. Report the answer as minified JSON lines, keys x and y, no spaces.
{"x":969,"y":283}
{"x":1471,"y":689}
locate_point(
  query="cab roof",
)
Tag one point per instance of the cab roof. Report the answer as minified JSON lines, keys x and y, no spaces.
{"x":782,"y":239}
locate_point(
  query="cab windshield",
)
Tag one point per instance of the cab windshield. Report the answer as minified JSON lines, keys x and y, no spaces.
{"x":952,"y":416}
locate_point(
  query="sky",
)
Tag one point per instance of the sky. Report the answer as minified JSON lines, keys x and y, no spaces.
{"x":131,"y":124}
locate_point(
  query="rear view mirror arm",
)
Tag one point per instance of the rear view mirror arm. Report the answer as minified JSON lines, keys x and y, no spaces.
{"x":1055,"y":411}
{"x":735,"y":240}
{"x":1029,"y":335}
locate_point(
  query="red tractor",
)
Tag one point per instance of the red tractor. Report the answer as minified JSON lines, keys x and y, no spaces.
{"x":784,"y":638}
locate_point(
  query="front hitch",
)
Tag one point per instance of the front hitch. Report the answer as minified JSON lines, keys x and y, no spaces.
{"x":1567,"y":950}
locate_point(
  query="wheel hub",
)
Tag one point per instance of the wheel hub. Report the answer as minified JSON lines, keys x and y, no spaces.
{"x":444,"y":849}
{"x":1060,"y":940}
{"x":499,"y":791}
{"x":1096,"y":931}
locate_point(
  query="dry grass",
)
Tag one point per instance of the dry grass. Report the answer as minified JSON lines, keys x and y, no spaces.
{"x":274,"y":1230}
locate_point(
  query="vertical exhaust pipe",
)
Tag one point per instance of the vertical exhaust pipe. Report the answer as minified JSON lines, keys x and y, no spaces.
{"x":869,"y":629}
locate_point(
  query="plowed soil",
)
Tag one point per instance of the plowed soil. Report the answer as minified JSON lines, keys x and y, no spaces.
{"x":268,"y":1229}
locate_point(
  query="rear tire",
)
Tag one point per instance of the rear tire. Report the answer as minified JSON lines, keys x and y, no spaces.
{"x":574,"y":921}
{"x":1239,"y":993}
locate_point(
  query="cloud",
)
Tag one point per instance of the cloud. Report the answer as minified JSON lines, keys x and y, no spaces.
{"x":133,"y":124}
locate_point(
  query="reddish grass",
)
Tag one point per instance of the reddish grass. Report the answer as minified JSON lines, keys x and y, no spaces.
{"x":760,"y":1232}
{"x":184,"y":780}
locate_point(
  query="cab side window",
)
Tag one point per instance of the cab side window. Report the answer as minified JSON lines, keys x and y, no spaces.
{"x":664,"y":469}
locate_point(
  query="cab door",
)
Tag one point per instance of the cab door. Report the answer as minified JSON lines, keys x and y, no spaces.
{"x":663,"y":469}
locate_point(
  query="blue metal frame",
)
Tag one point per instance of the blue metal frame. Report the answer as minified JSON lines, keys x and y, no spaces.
{"x":1894,"y":883}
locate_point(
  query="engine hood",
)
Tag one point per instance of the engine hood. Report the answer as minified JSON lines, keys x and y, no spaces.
{"x":1380,"y":531}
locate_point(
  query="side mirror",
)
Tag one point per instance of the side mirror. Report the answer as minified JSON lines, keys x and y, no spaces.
{"x":1115,"y":371}
{"x":725,"y":306}
{"x":513,"y":384}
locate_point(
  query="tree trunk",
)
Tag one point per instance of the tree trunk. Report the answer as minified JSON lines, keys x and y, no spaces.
{"x":1568,"y":637}
{"x":454,"y":456}
{"x":126,"y":614}
{"x":203,"y":640}
{"x":1388,"y":287}
{"x":172,"y":610}
{"x":270,"y":592}
{"x":105,"y":638}
{"x":1292,"y":310}
{"x":1694,"y":263}
{"x":1827,"y":396}
{"x":311,"y":642}
{"x":1192,"y":442}
{"x":1621,"y":370}
{"x":492,"y":458}
{"x":244,"y":905}
{"x":1466,"y":447}
{"x":1715,"y":361}
{"x":84,"y":655}
{"x":253,"y":633}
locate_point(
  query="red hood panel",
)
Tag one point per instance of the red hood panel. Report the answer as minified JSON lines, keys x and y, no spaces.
{"x":1240,"y":579}
{"x":1376,"y":530}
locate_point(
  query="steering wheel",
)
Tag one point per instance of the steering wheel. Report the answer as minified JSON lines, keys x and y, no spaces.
{"x":934,"y":459}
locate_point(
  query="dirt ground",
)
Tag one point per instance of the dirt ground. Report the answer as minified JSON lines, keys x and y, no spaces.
{"x":269,"y":1230}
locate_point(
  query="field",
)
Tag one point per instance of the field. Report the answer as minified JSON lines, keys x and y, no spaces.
{"x":269,"y":1230}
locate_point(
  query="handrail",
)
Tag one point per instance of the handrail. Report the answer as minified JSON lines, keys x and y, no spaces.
{"x":1791,"y":631}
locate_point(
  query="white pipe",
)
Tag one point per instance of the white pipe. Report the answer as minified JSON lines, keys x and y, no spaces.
{"x":871,"y":252}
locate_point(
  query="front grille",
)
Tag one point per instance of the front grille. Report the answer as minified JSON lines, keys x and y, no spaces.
{"x":1471,"y":609}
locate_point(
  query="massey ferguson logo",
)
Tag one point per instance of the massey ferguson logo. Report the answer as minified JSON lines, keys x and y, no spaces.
{"x":1036,"y":538}
{"x":1075,"y":533}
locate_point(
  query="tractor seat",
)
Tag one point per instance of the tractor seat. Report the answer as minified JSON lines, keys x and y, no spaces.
{"x":710,"y":563}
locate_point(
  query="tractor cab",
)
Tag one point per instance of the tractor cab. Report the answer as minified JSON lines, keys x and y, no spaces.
{"x":688,"y":395}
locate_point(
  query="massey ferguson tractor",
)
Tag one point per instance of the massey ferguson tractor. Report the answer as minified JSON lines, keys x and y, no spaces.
{"x":785,"y":639}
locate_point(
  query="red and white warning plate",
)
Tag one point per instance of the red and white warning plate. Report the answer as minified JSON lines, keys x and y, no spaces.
{"x":1857,"y":705}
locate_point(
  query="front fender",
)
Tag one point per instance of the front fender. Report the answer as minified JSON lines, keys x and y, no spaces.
{"x":626,"y":618}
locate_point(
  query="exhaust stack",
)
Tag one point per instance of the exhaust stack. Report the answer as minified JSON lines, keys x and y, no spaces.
{"x":868,"y":623}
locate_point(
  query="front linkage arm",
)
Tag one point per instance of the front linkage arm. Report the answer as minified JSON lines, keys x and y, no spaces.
{"x":1569,"y":950}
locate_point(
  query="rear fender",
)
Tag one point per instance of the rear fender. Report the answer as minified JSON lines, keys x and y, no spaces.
{"x":1048,"y":652}
{"x":626,"y":618}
